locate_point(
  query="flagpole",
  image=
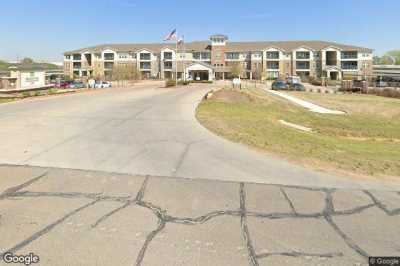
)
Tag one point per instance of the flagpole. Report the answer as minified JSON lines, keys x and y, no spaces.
{"x":176,"y":58}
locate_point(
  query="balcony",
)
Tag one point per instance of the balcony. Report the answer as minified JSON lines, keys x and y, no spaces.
{"x":167,"y":56}
{"x":108,"y":65}
{"x":303,"y":55}
{"x":109,"y":57}
{"x":349,"y":55}
{"x":302,"y":65}
{"x":272,"y":55}
{"x":77,"y":65}
{"x":232,"y":56}
{"x":145,"y":66}
{"x":168,"y":66}
{"x":145,"y":57}
{"x":272,"y":65}
{"x":350,"y":65}
{"x":203,"y":56}
{"x":76,"y":57}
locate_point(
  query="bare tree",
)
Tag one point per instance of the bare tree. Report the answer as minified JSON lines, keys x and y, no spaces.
{"x":237,"y":70}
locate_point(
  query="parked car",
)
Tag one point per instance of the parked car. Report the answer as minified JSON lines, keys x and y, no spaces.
{"x":76,"y":85}
{"x":297,"y":87}
{"x":106,"y":84}
{"x":279,"y":85}
{"x":293,"y":79}
{"x":102,"y":84}
{"x":63,"y":84}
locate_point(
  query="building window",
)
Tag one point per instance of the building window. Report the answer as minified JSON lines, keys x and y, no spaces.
{"x":350,"y":65}
{"x":77,"y":65}
{"x":167,"y":65}
{"x":108,"y":56}
{"x":108,"y":65}
{"x":168,"y":55}
{"x":302,"y":55}
{"x":76,"y":57}
{"x":68,"y":57}
{"x":123,"y":56}
{"x":302,"y":65}
{"x":232,"y":55}
{"x":349,"y":55}
{"x":145,"y":65}
{"x":273,"y":55}
{"x":205,"y":56}
{"x":273,"y":65}
{"x":145,"y":56}
{"x":196,"y":55}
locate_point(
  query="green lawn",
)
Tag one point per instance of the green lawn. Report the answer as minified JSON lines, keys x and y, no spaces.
{"x":6,"y":100}
{"x":364,"y":142}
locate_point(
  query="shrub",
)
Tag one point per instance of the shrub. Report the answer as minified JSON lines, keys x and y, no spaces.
{"x":385,"y":93}
{"x":52,"y":91}
{"x":26,"y":94}
{"x":183,"y":82}
{"x":316,"y":82}
{"x":170,"y":83}
{"x":37,"y":93}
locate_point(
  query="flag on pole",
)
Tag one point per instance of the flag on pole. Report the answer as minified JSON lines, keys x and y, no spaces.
{"x":171,"y":36}
{"x":181,"y":40}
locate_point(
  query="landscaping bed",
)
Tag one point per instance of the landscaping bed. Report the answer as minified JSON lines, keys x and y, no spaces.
{"x":366,"y":142}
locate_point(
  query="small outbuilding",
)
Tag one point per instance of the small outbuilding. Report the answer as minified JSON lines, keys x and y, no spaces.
{"x":24,"y":77}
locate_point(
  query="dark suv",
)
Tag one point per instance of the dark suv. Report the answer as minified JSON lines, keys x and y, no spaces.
{"x":279,"y":85}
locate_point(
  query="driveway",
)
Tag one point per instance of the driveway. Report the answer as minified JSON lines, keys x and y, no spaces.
{"x":110,"y":217}
{"x":145,"y":130}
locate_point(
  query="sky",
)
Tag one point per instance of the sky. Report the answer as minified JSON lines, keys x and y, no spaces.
{"x":44,"y":29}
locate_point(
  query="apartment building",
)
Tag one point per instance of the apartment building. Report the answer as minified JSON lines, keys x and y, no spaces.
{"x":216,"y":59}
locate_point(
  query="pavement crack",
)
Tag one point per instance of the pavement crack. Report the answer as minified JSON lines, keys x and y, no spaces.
{"x":183,"y":155}
{"x":381,"y":205}
{"x":288,"y":200}
{"x":138,"y":198}
{"x":12,"y":190}
{"x":47,"y":229}
{"x":109,"y":214}
{"x":328,"y":211}
{"x":140,"y":194}
{"x":69,"y":195}
{"x":245,"y":231}
{"x":201,"y":219}
{"x":300,"y":254}
{"x":161,"y":224}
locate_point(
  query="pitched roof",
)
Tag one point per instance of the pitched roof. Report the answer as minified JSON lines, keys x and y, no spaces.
{"x":201,"y":46}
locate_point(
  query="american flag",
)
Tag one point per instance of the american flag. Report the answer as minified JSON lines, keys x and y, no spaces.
{"x":171,"y":36}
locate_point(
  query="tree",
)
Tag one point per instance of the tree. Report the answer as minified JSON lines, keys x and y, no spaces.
{"x":121,"y":73}
{"x":237,"y":70}
{"x":389,"y":58}
{"x":27,"y":61}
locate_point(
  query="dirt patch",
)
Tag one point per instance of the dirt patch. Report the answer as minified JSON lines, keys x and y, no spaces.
{"x":231,"y":96}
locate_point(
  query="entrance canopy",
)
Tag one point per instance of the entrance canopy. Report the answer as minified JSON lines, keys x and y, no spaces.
{"x":200,"y":71}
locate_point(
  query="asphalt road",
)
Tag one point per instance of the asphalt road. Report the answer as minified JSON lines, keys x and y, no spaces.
{"x":145,"y":130}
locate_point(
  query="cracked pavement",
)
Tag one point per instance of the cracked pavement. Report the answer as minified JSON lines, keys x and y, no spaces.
{"x":78,"y":217}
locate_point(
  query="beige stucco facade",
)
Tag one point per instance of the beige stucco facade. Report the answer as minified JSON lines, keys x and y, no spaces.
{"x":258,"y":60}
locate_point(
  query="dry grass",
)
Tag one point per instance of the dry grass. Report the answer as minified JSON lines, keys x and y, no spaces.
{"x":365,"y":142}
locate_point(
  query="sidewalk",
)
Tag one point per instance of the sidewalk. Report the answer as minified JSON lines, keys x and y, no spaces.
{"x":312,"y":107}
{"x":75,"y":217}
